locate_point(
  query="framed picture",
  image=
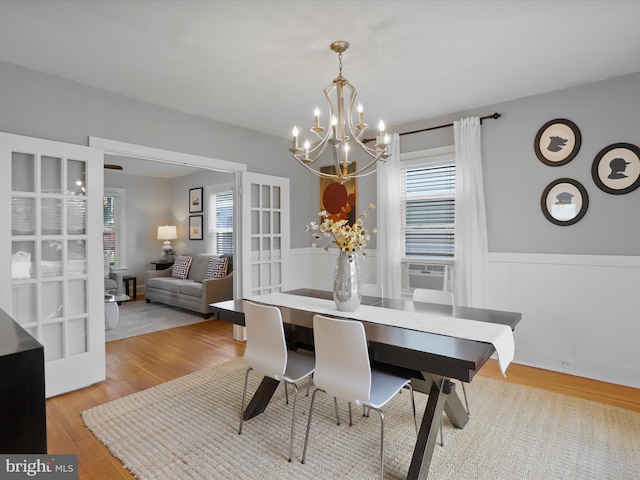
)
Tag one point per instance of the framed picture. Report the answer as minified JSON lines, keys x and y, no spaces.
{"x":616,"y":168}
{"x":564,"y":201}
{"x":195,"y":200}
{"x":195,"y":227}
{"x":557,"y":142}
{"x":339,"y":199}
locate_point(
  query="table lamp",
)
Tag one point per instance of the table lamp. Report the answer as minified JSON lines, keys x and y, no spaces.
{"x":166,"y":233}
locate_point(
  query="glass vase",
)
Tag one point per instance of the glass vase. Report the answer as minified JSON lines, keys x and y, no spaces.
{"x":347,"y":284}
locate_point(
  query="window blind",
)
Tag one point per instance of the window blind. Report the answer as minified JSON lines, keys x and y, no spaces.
{"x":429,"y":210}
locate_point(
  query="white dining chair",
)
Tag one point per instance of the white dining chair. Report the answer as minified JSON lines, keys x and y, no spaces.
{"x":442,"y":297}
{"x":372,"y":290}
{"x":343,"y":371}
{"x":266,"y":352}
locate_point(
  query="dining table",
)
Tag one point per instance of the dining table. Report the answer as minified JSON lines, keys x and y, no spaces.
{"x":432,"y":360}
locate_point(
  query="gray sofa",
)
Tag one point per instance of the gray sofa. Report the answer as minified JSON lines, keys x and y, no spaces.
{"x":194,"y":292}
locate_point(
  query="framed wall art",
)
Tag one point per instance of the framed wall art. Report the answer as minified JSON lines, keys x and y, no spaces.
{"x":557,"y":142}
{"x":564,"y":201}
{"x":338,"y":199}
{"x":616,"y":168}
{"x":195,"y":227}
{"x":195,"y":200}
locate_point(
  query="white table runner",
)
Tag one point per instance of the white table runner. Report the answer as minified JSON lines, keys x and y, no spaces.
{"x":500,"y":336}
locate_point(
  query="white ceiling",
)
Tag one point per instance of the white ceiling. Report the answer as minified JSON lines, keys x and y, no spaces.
{"x":263,"y":64}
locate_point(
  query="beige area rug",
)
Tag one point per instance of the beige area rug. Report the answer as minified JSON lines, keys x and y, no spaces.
{"x":188,"y":429}
{"x":140,"y":317}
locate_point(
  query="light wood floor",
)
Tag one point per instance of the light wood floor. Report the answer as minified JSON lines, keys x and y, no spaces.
{"x":137,"y":363}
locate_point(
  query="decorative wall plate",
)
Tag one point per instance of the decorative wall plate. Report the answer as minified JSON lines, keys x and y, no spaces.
{"x":564,"y":201}
{"x":616,"y":168}
{"x":557,"y":142}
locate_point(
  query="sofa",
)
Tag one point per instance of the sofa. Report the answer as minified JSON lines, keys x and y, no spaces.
{"x":193,"y":286}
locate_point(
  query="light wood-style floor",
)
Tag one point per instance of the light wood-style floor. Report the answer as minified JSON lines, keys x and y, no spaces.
{"x":137,"y":363}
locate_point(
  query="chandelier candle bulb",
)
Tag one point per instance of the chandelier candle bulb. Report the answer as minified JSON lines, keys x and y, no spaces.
{"x":295,"y":137}
{"x":360,"y":114}
{"x":316,"y":114}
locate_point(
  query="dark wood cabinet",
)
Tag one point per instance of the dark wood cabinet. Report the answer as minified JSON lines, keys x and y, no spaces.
{"x":23,"y":421}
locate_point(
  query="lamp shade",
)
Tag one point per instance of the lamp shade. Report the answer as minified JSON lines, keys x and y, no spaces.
{"x":167,"y":232}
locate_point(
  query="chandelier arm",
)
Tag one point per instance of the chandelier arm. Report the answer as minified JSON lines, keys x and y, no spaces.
{"x":316,"y":172}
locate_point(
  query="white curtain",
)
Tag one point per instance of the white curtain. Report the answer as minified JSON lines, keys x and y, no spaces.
{"x":471,"y":246}
{"x":389,"y":226}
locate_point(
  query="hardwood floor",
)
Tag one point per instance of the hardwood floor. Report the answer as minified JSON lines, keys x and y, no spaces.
{"x":137,"y":363}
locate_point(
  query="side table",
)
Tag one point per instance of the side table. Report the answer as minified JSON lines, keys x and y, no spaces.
{"x":162,"y":265}
{"x":134,"y":280}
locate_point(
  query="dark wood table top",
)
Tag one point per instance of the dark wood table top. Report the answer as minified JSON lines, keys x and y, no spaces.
{"x":410,"y":349}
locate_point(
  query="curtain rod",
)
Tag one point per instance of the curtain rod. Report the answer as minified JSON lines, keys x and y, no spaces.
{"x":494,"y":116}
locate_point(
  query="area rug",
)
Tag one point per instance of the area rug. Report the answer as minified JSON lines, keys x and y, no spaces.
{"x":139,"y":317}
{"x":188,"y":429}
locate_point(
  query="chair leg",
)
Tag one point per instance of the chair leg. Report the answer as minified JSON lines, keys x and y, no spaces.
{"x":244,"y":397}
{"x":381,"y":442}
{"x":293,"y":419}
{"x":413,"y":406}
{"x":350,"y":419}
{"x":306,"y":437}
{"x":286,"y":394}
{"x":466,"y":402}
{"x":309,"y":383}
{"x":335,"y":403}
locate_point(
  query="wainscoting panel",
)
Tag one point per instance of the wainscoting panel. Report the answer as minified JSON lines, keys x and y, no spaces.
{"x":580,"y":313}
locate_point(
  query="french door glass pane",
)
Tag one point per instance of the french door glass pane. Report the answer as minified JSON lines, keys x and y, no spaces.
{"x":23,"y":168}
{"x":24,"y":303}
{"x":52,"y":338}
{"x":51,"y":300}
{"x":77,"y":333}
{"x":77,"y":297}
{"x":51,"y":214}
{"x":50,"y":174}
{"x":51,"y":258}
{"x":23,"y":216}
{"x":76,"y":177}
{"x":23,"y":254}
{"x":76,"y":216}
{"x":76,"y":257}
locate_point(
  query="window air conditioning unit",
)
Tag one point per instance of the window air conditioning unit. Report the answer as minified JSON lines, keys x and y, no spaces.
{"x":423,"y":275}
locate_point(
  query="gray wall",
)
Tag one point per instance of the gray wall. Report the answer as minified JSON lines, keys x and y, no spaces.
{"x":606,"y":112}
{"x":45,"y":106}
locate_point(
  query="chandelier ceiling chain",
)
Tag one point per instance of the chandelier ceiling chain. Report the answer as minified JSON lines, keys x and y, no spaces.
{"x":341,"y":132}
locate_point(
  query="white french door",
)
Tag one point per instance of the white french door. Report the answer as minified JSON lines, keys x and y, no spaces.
{"x":54,"y":287}
{"x":265,"y":233}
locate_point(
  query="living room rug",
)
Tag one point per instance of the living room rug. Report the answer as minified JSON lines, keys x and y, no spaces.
{"x":188,"y":429}
{"x":140,"y":317}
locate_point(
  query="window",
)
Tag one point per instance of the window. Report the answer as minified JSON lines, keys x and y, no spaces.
{"x":428,"y":206}
{"x":220,"y":224}
{"x":113,"y":232}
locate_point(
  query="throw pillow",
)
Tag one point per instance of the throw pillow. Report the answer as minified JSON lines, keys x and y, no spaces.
{"x":181,"y":266}
{"x":217,"y":268}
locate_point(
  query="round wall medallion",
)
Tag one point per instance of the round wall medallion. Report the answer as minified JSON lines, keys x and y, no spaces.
{"x":616,"y":168}
{"x":557,"y":142}
{"x":564,"y":201}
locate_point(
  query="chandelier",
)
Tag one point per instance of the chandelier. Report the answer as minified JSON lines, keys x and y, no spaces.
{"x":342,"y":134}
